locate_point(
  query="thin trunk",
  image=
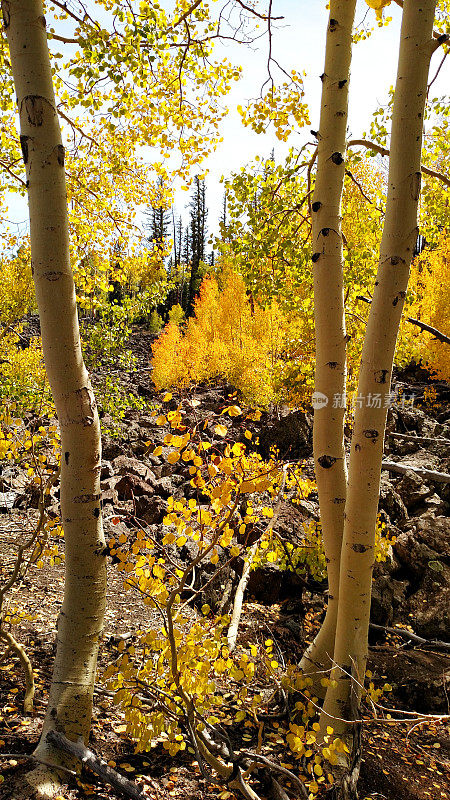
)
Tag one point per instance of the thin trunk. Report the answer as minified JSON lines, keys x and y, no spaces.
{"x":328,"y":262}
{"x":81,"y":618}
{"x":27,"y":667}
{"x":396,"y":252}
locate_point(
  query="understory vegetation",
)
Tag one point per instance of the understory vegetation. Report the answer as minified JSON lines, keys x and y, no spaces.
{"x":194,"y":349}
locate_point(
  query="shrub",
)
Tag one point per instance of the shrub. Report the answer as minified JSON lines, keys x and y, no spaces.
{"x":230,"y":337}
{"x":176,"y":314}
{"x":16,"y":287}
{"x":429,"y":299}
{"x":22,"y":375}
{"x":155,"y":322}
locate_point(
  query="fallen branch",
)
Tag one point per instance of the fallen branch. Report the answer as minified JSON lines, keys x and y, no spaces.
{"x":39,"y":761}
{"x":434,"y":644}
{"x":122,"y":785}
{"x":419,"y":439}
{"x":427,"y":474}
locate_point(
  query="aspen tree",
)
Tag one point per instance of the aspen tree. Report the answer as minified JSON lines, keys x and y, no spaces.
{"x":330,"y":375}
{"x":80,"y":621}
{"x":396,"y":252}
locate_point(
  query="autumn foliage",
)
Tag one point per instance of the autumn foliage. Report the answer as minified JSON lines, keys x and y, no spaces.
{"x":230,"y":337}
{"x":429,"y":302}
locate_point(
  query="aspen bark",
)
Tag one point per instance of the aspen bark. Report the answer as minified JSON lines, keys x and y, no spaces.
{"x":396,"y":252}
{"x":328,"y":264}
{"x":81,"y":618}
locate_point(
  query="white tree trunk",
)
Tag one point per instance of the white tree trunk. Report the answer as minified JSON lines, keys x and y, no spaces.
{"x":396,"y":252}
{"x":81,"y":618}
{"x":328,"y":265}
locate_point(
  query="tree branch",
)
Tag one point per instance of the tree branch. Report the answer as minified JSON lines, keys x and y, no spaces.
{"x":63,"y":39}
{"x":422,"y":325}
{"x":427,"y":474}
{"x":383,"y":151}
{"x":13,"y":174}
{"x":412,"y":637}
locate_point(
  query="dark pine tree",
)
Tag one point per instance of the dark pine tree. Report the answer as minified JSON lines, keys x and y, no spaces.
{"x":159,"y":218}
{"x":186,"y":266}
{"x":178,"y":269}
{"x":223,"y":216}
{"x":198,"y":214}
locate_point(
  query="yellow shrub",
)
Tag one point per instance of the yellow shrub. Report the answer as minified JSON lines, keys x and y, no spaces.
{"x":169,"y":367}
{"x":429,"y":302}
{"x":16,"y":287}
{"x":22,"y":375}
{"x":229,"y":337}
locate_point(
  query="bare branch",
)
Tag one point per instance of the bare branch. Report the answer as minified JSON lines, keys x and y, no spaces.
{"x":422,"y":325}
{"x":383,"y":151}
{"x":13,"y":174}
{"x":63,"y":39}
{"x":412,"y":637}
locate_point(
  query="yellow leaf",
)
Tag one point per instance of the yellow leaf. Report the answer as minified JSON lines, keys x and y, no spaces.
{"x":221,"y":430}
{"x":378,"y":6}
{"x":167,"y":397}
{"x":120,"y":729}
{"x":247,"y":486}
{"x":173,"y":457}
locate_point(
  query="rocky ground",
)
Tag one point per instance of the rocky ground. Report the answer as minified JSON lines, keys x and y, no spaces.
{"x":411,"y":590}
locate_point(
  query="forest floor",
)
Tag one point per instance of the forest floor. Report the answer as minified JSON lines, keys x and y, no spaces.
{"x":408,"y":760}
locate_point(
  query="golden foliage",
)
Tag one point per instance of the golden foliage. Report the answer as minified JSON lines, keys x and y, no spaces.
{"x":16,"y":287}
{"x":429,"y":302}
{"x":378,"y":6}
{"x":22,"y":375}
{"x":229,"y":336}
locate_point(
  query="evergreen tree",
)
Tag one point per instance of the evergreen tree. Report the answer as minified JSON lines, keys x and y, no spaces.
{"x":198,"y":214}
{"x":159,"y":216}
{"x":223,"y":216}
